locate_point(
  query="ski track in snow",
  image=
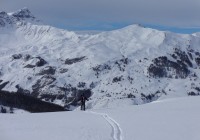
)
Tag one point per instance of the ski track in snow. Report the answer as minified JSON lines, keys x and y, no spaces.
{"x":116,"y":129}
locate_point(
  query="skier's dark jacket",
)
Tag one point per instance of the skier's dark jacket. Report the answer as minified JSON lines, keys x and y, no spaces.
{"x":83,"y":98}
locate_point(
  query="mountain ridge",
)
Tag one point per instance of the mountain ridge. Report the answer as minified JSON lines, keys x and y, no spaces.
{"x":133,"y":64}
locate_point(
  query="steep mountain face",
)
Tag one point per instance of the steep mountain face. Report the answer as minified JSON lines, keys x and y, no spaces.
{"x":133,"y":65}
{"x":9,"y":19}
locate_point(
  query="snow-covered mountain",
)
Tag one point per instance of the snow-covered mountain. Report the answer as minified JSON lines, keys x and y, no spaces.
{"x":133,"y":64}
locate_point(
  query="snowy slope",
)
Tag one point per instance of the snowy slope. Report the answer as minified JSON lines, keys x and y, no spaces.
{"x":134,"y":63}
{"x":174,"y":119}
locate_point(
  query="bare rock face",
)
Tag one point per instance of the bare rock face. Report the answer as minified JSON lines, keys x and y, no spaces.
{"x":63,"y":70}
{"x":29,"y":66}
{"x":48,"y":70}
{"x":4,"y":19}
{"x":122,"y":63}
{"x":22,"y":91}
{"x":103,"y":68}
{"x":37,"y":62}
{"x":3,"y":14}
{"x":16,"y":18}
{"x":197,"y":61}
{"x":163,"y":67}
{"x":27,"y":57}
{"x":117,"y":79}
{"x":2,"y":85}
{"x":16,"y":56}
{"x":2,"y":23}
{"x":41,"y":83}
{"x":40,"y":62}
{"x":179,"y":68}
{"x":23,"y":13}
{"x":74,"y":60}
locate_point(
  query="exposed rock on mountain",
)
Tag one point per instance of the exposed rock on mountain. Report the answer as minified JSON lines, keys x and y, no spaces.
{"x":23,"y":13}
{"x":134,"y":64}
{"x":74,"y":60}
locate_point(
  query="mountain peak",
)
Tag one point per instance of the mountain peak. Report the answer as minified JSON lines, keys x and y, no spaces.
{"x":18,"y":17}
{"x":3,"y":14}
{"x":23,"y":13}
{"x":133,"y":26}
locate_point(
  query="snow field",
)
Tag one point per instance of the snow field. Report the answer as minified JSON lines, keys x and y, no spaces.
{"x":174,"y":119}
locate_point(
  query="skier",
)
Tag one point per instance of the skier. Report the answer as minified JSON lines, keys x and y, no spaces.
{"x":83,"y":99}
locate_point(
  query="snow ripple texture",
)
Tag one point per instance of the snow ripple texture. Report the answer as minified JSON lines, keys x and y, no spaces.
{"x":116,"y":129}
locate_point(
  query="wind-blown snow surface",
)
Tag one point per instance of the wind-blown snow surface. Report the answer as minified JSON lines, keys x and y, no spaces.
{"x":171,"y":119}
{"x":138,"y":63}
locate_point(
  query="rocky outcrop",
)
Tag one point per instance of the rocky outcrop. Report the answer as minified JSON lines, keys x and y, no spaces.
{"x":27,"y":57}
{"x":103,"y":68}
{"x":117,"y":79}
{"x":178,"y":68}
{"x":35,"y":62}
{"x":41,"y":83}
{"x":4,"y":19}
{"x":23,"y":13}
{"x":40,"y":62}
{"x":2,"y":85}
{"x":16,"y":56}
{"x":14,"y":18}
{"x":122,"y":63}
{"x":22,"y":91}
{"x":162,"y":67}
{"x":74,"y":60}
{"x":63,"y":70}
{"x":48,"y":70}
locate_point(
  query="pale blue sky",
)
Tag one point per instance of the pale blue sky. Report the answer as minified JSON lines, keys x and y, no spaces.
{"x":175,"y":15}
